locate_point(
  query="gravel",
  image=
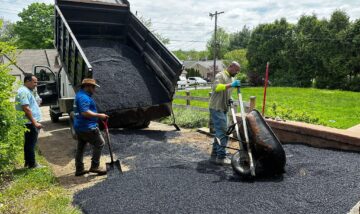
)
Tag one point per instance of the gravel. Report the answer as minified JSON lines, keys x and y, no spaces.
{"x":177,"y":178}
{"x":125,"y":80}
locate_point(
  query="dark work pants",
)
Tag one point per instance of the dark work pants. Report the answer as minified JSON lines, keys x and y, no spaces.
{"x":97,"y":141}
{"x":31,"y":138}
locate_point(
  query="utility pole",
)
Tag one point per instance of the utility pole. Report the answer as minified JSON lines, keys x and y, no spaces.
{"x":215,"y":39}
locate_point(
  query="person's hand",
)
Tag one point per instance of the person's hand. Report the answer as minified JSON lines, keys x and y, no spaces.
{"x":103,"y":116}
{"x":236,"y":83}
{"x":38,"y":125}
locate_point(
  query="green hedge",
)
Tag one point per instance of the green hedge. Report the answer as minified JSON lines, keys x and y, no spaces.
{"x":11,"y":122}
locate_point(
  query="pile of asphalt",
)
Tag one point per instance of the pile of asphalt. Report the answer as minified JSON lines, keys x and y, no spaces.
{"x":177,"y":178}
{"x":125,"y":80}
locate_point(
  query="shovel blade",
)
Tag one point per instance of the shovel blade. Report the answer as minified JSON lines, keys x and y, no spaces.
{"x":113,"y":167}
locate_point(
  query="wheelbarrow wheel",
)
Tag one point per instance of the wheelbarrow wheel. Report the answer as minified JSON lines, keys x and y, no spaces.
{"x":241,"y":164}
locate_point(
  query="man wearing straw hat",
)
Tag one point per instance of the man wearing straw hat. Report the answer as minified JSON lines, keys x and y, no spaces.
{"x":86,"y":127}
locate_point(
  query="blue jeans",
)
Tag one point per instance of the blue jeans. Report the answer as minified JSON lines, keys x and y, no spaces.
{"x":219,"y":119}
{"x":31,"y":138}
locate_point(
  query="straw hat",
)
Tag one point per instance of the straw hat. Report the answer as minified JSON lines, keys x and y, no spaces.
{"x":89,"y":81}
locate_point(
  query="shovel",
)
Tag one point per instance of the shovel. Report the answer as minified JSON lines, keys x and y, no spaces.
{"x":113,"y":165}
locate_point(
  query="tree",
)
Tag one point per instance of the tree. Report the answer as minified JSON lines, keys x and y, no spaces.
{"x":351,"y":39}
{"x":305,"y":50}
{"x":222,"y":44}
{"x":191,"y":55}
{"x":268,"y":44}
{"x":7,"y":32}
{"x":238,"y":55}
{"x":148,"y":24}
{"x":335,"y":57}
{"x":35,"y":29}
{"x":240,"y":39}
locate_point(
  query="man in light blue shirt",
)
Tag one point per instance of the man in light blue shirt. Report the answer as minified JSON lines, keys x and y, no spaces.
{"x":25,"y":101}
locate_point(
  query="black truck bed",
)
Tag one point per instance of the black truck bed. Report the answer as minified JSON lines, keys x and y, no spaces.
{"x":105,"y":41}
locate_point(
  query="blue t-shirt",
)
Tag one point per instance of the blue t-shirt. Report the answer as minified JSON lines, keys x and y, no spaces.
{"x":83,"y":103}
{"x":25,"y":97}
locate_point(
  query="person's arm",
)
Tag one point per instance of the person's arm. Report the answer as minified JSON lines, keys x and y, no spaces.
{"x":28,"y":114}
{"x":219,"y":86}
{"x":90,"y":114}
{"x":84,"y":108}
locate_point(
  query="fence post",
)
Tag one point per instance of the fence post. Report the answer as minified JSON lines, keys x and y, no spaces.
{"x":252,"y":103}
{"x":187,"y":98}
{"x":211,"y":124}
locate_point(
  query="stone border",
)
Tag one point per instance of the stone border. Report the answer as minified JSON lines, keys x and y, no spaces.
{"x":315,"y":135}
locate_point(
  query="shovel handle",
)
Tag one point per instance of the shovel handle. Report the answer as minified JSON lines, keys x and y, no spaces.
{"x":105,"y":123}
{"x":106,"y":127}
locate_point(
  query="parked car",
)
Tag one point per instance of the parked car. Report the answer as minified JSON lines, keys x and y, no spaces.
{"x":183,"y":82}
{"x":196,"y":81}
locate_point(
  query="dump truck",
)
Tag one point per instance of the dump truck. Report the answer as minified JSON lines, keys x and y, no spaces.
{"x":104,"y":40}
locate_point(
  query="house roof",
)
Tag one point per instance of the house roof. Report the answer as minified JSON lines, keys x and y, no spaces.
{"x":206,"y":64}
{"x":188,"y":64}
{"x":27,"y":58}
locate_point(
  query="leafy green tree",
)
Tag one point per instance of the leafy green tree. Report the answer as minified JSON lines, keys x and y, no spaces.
{"x":11,"y":124}
{"x":336,"y":54}
{"x":222,"y":44}
{"x":305,"y":50}
{"x":180,"y":54}
{"x":351,"y":39}
{"x":268,"y":44}
{"x":148,"y":24}
{"x":191,"y":55}
{"x":192,"y":73}
{"x":240,"y":39}
{"x":238,"y":55}
{"x":7,"y":32}
{"x":35,"y":29}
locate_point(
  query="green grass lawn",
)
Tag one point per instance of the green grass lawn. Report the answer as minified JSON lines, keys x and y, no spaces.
{"x":35,"y":191}
{"x":334,"y":108}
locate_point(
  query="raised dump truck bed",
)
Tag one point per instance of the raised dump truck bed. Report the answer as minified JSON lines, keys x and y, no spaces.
{"x":105,"y":41}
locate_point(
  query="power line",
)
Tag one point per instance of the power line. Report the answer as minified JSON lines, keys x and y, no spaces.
{"x":1,"y":8}
{"x":182,"y":24}
{"x":194,"y":41}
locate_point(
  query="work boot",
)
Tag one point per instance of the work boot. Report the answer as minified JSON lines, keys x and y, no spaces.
{"x":97,"y":170}
{"x":80,"y":172}
{"x":223,"y":161}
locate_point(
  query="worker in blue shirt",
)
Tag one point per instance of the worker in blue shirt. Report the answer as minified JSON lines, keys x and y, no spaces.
{"x":26,"y":102}
{"x":86,"y":127}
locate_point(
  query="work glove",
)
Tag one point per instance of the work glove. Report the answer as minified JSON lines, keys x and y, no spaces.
{"x":236,"y":83}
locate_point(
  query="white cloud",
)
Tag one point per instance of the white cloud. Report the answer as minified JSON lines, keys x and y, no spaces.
{"x":187,"y":22}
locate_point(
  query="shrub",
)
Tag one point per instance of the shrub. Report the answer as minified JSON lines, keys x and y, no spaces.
{"x":11,"y":122}
{"x":290,"y":114}
{"x":187,"y":118}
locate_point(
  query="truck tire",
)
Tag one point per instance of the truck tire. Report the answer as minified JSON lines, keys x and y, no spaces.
{"x":71,"y":122}
{"x":54,"y":117}
{"x":241,"y":166}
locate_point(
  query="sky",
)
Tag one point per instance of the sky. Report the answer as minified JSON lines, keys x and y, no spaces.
{"x":187,"y":22}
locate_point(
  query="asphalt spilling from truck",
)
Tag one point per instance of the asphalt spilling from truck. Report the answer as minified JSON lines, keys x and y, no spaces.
{"x":178,"y":178}
{"x":125,"y":80}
